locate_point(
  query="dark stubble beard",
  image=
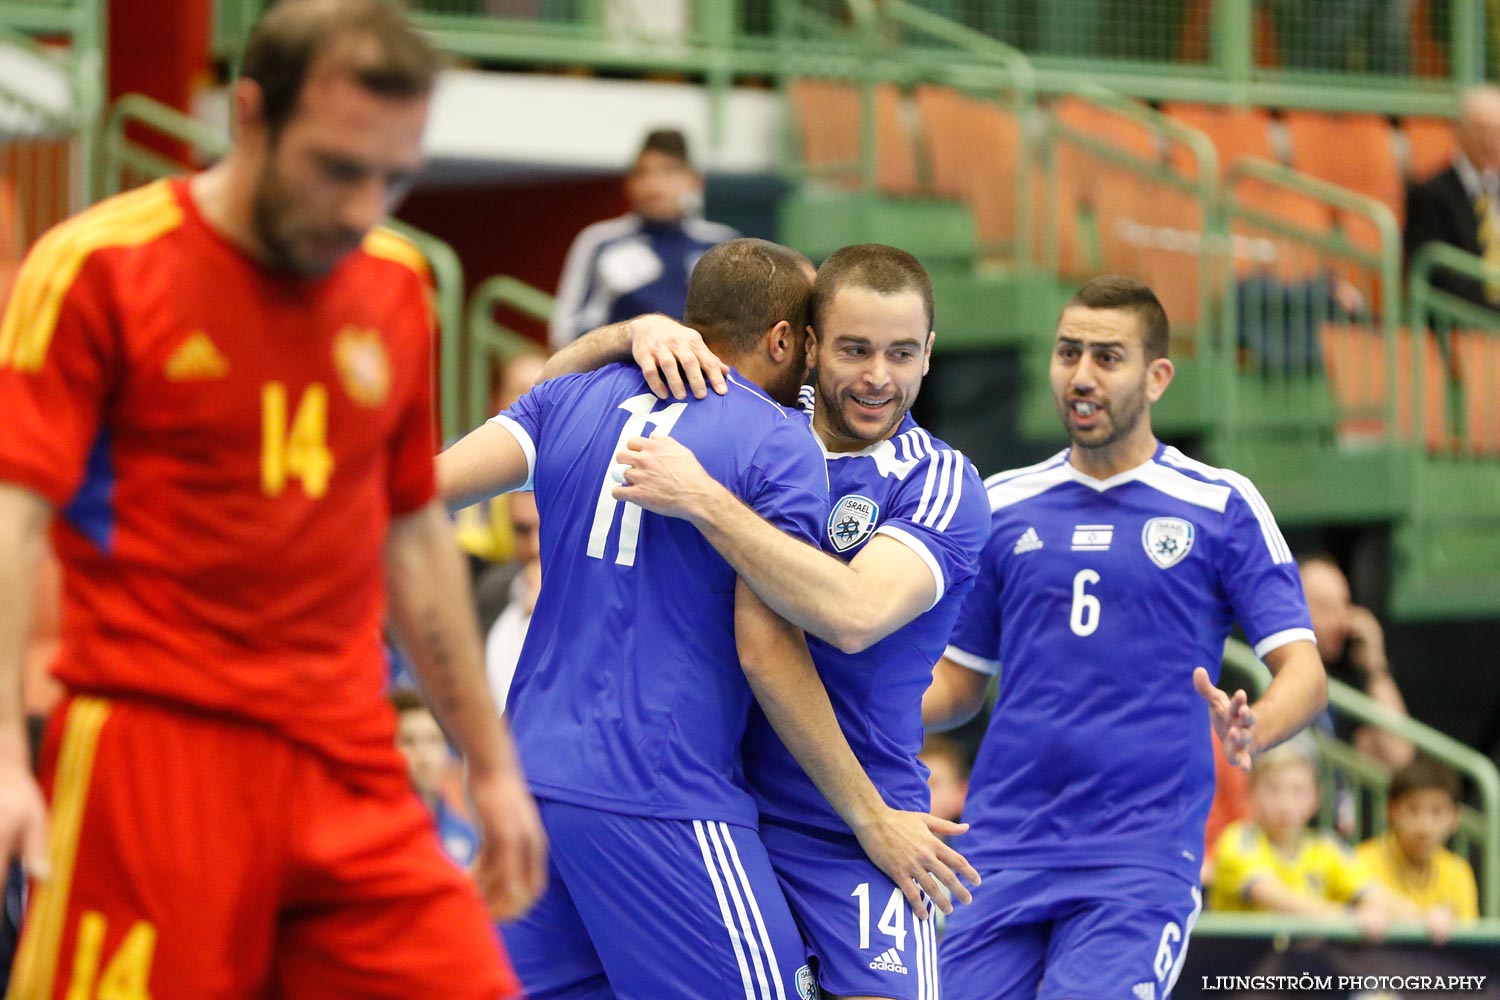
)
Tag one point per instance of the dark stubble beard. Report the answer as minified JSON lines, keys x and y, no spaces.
{"x":1122,"y":420}
{"x":833,"y":410}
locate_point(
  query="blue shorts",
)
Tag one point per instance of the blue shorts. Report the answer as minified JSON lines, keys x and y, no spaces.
{"x":639,"y":908}
{"x":1075,"y":933}
{"x":862,"y":933}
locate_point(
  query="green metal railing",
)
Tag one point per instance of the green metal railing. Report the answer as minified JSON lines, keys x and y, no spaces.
{"x":1467,"y":335}
{"x":1148,"y":201}
{"x":491,"y":342}
{"x":1227,"y":51}
{"x":127,"y":163}
{"x":1479,"y":828}
{"x":1303,"y":254}
{"x":43,"y":152}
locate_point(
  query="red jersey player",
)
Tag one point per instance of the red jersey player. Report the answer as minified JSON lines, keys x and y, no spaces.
{"x":220,"y":387}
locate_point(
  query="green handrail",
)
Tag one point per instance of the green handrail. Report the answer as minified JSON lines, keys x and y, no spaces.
{"x":1203,"y":184}
{"x":120,"y":155}
{"x":1385,"y":261}
{"x":1280,"y":925}
{"x":1479,"y":769}
{"x":489,"y":339}
{"x":1423,"y":298}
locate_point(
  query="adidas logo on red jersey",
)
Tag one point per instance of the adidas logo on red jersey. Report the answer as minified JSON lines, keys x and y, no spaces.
{"x":196,"y":359}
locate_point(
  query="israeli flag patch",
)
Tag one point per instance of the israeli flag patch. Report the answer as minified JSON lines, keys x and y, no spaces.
{"x":1168,"y":540}
{"x":852,"y":521}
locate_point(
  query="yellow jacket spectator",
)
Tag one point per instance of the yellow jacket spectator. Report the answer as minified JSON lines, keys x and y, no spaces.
{"x":1273,"y":862}
{"x":1410,"y":859}
{"x":1319,"y":866}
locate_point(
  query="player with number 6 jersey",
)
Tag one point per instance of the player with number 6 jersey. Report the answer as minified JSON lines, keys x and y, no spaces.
{"x":1111,"y":578}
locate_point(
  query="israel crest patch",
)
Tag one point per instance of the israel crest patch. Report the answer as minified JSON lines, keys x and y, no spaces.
{"x":1168,"y":540}
{"x":852,"y":521}
{"x":807,"y":984}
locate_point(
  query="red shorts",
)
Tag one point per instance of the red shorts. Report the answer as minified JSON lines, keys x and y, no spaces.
{"x":195,"y":858}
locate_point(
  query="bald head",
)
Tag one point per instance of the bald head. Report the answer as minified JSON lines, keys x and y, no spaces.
{"x":1479,"y":127}
{"x":1328,"y":604}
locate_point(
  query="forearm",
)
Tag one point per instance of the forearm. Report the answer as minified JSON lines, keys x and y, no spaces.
{"x":23,"y":527}
{"x":809,"y":588}
{"x":1298,"y":692}
{"x":786,"y":685}
{"x":592,"y":351}
{"x":434,"y":620}
{"x":954,"y":697}
{"x":1266,"y":893}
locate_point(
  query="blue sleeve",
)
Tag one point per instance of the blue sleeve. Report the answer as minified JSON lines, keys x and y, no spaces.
{"x":786,"y":481}
{"x":524,"y":421}
{"x":942,"y":514}
{"x":1259,"y":575}
{"x":976,"y":635}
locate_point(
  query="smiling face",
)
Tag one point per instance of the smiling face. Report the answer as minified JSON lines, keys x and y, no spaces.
{"x":333,"y":171}
{"x":1102,"y":382}
{"x":869,"y":356}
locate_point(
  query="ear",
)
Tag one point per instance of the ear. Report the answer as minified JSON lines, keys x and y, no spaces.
{"x":1158,"y":376}
{"x":779,"y":342}
{"x":810,"y":348}
{"x":927,"y":351}
{"x":249,"y":112}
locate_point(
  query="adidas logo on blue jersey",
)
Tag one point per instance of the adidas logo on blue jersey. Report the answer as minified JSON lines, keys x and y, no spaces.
{"x":1029,"y":542}
{"x":889,"y":962}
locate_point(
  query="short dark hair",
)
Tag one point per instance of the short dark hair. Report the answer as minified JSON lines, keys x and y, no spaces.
{"x":1118,"y":291}
{"x":743,"y":288}
{"x":875,"y":266}
{"x":1421,"y":774}
{"x":668,"y":141}
{"x":367,"y":40}
{"x":405,"y":700}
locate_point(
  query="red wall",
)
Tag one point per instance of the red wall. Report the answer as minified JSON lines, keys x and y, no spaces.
{"x":522,"y":230}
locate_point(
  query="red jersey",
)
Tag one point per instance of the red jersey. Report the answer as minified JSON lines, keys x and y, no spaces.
{"x":225,"y":447}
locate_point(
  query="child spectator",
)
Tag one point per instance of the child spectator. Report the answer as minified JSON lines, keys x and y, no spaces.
{"x":428,"y":762}
{"x":1274,"y":862}
{"x":1411,"y":859}
{"x":947,"y":775}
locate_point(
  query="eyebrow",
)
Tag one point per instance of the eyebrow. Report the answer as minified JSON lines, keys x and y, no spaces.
{"x":850,"y":338}
{"x":1092,"y":345}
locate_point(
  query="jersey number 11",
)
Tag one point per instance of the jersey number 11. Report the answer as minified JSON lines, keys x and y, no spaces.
{"x":642,"y":414}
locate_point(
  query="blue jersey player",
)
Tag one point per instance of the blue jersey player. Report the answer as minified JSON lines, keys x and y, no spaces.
{"x":899,"y":551}
{"x":636,"y":679}
{"x":1111,"y":578}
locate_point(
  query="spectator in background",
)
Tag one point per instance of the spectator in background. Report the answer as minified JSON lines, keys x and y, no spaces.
{"x":947,"y":775}
{"x":1410,"y":859}
{"x":640,"y":262}
{"x":429,"y":763}
{"x":503,"y":639}
{"x":1461,"y":205}
{"x":1352,"y":645}
{"x":1274,"y":862}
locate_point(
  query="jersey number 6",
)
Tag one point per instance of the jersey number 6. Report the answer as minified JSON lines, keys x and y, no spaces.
{"x":1086,"y":609}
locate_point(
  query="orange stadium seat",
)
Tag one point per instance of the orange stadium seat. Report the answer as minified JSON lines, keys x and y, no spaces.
{"x":895,"y":147}
{"x":1430,"y":144}
{"x":1087,"y":178}
{"x":1235,"y":132}
{"x":1353,"y":151}
{"x":1355,"y":358}
{"x":1290,"y":260}
{"x":828,"y":115}
{"x":973,"y":147}
{"x":1478,"y":357}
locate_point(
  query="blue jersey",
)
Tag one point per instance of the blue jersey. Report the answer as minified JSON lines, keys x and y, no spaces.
{"x":629,"y":695}
{"x":917,"y":490}
{"x":628,"y":266}
{"x":1096,"y":600}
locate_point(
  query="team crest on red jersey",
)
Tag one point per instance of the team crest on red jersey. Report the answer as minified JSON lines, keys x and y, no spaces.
{"x":363,"y":365}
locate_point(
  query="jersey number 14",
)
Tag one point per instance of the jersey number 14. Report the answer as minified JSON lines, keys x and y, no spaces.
{"x":643,"y":413}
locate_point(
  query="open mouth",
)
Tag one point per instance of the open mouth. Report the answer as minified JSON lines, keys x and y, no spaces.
{"x":871,"y":405}
{"x":1085,"y":411}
